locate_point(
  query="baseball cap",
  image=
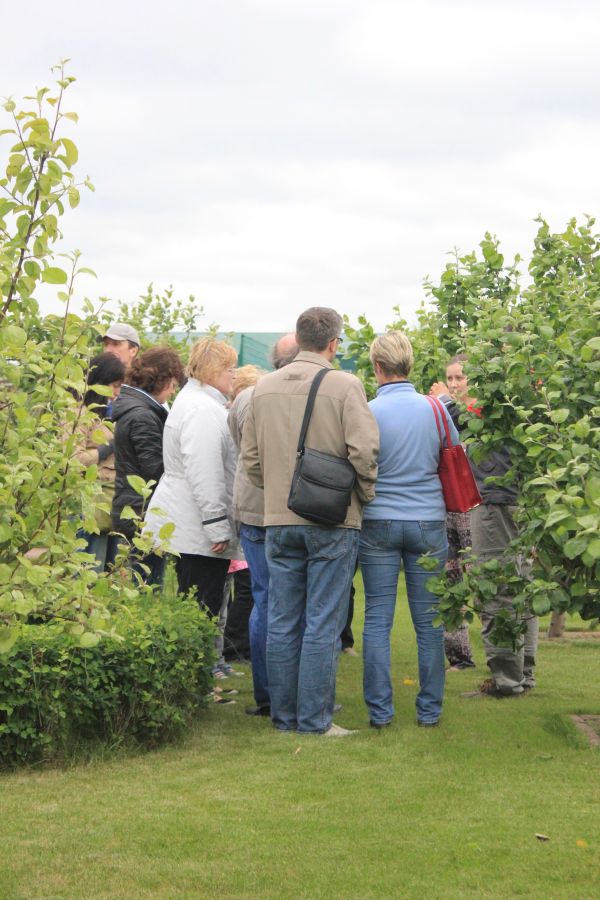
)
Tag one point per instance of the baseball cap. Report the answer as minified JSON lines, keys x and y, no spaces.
{"x":122,"y":332}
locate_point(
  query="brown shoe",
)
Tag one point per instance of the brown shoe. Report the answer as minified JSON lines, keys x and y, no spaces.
{"x":488,"y":689}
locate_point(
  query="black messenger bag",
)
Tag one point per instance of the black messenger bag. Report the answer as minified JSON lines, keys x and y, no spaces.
{"x":322,"y":484}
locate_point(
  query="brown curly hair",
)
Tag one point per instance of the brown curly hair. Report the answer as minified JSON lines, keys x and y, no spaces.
{"x":153,"y":368}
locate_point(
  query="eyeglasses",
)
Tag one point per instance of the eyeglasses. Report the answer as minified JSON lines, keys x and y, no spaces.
{"x":340,"y":340}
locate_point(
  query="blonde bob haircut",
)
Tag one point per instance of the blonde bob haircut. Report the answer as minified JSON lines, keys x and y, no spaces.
{"x":245,"y":377}
{"x":208,"y":358}
{"x":394,"y":353}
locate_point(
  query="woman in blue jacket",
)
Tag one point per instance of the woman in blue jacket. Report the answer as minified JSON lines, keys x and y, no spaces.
{"x":406,"y":520}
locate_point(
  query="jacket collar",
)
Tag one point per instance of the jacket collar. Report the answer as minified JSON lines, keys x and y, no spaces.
{"x":132,"y":398}
{"x":396,"y":385}
{"x":209,"y":390}
{"x":315,"y":358}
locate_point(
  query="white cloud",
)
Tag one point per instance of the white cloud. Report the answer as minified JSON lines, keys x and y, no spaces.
{"x":268,"y":155}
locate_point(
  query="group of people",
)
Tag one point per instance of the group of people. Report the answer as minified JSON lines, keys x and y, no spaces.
{"x":222,"y":460}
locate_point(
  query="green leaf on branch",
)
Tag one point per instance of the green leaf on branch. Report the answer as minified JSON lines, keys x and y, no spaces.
{"x":476,"y":425}
{"x":166,"y":531}
{"x":89,"y":639}
{"x":557,"y":515}
{"x":144,"y":488}
{"x":575,"y":547}
{"x":558,"y":416}
{"x":13,"y":336}
{"x":593,"y":548}
{"x":128,"y":513}
{"x":541,"y":605}
{"x":8,"y":637}
{"x":592,"y":489}
{"x":54,"y":275}
{"x":71,"y":152}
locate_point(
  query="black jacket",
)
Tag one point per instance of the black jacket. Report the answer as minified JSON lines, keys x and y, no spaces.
{"x":494,"y":465}
{"x":139,"y":425}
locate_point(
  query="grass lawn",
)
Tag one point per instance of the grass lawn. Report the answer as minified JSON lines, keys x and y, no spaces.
{"x":238,"y":810}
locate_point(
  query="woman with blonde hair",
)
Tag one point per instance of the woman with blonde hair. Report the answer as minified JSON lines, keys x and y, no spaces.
{"x":196,"y":490}
{"x":405,"y":521}
{"x":245,"y":377}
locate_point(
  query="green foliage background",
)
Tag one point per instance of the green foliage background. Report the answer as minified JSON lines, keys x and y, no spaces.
{"x":534,"y":366}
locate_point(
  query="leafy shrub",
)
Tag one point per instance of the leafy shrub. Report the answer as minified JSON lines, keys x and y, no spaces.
{"x":142,"y":689}
{"x":534,"y":367}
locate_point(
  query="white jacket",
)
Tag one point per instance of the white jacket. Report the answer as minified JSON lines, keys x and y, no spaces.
{"x":196,"y":490}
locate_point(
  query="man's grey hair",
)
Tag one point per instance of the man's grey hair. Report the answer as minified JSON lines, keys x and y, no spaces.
{"x":316,"y":327}
{"x":281,"y":355}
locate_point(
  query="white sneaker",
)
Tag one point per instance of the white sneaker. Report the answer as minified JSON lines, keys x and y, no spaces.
{"x":338,"y":731}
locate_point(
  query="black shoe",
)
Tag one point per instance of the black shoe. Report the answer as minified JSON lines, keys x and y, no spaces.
{"x":258,"y":711}
{"x":380,"y":725}
{"x":428,"y":724}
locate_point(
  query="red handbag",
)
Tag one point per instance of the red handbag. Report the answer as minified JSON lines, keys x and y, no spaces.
{"x":458,"y":484}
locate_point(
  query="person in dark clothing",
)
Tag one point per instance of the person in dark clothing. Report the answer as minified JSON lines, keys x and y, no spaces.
{"x":139,"y":415}
{"x":493,"y":528}
{"x":236,"y":640}
{"x":106,"y":370}
{"x":453,"y":394}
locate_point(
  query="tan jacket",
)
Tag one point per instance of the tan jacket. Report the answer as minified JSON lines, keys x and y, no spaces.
{"x":248,"y":499}
{"x":93,"y":434}
{"x":341,"y":424}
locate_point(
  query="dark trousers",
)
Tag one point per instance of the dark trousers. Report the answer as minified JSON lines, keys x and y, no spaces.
{"x":237,"y":639}
{"x":346,"y":635}
{"x":156,"y":566}
{"x":205,"y":576}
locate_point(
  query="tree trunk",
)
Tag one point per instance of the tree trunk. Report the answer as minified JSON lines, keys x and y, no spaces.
{"x":557,"y":625}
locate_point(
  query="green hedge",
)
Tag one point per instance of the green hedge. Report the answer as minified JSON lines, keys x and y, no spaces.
{"x":58,"y":700}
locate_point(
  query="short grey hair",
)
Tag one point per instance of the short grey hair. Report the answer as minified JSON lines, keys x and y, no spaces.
{"x":316,"y":327}
{"x":394,"y":353}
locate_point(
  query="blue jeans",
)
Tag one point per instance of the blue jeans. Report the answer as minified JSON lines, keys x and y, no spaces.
{"x":253,"y":544}
{"x":386,"y":546}
{"x":311,"y":569}
{"x":103,"y":546}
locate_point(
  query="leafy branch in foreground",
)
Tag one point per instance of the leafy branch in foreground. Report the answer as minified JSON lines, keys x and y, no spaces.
{"x":38,"y":181}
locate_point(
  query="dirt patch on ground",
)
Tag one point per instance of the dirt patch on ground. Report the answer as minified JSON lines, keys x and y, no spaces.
{"x":589,"y":726}
{"x":573,"y":636}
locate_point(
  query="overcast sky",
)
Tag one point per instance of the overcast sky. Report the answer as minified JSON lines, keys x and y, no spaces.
{"x":269,"y":155}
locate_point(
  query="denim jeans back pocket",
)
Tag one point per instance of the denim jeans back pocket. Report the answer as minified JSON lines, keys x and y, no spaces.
{"x":329,"y":543}
{"x":375,"y":533}
{"x":434,"y":536}
{"x":254,"y":533}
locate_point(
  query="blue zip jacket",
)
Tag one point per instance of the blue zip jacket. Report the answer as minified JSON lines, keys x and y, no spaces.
{"x":408,"y":486}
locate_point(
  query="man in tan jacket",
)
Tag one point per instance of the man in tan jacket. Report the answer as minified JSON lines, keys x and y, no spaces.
{"x":311,"y":566}
{"x":249,"y":511}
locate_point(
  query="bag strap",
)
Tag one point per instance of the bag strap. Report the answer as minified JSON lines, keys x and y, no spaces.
{"x":309,"y":408}
{"x":438,"y":411}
